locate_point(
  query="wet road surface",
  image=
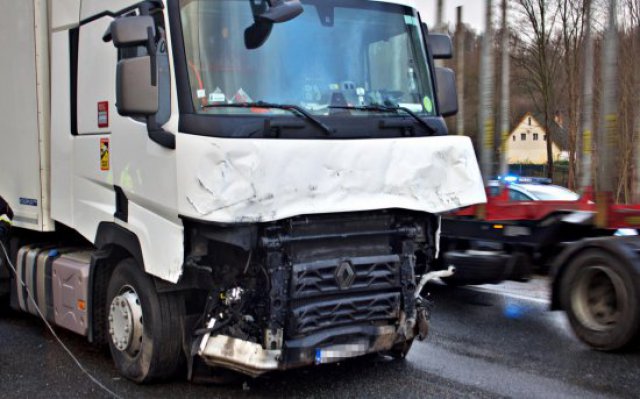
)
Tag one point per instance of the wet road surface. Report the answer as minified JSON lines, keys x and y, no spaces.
{"x":486,"y":343}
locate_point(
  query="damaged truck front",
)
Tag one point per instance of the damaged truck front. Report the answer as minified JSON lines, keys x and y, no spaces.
{"x":267,"y":196}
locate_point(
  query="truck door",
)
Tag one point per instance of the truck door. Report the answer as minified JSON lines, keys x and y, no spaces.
{"x":113,"y":156}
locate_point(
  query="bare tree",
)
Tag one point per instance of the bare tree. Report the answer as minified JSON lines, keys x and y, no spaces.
{"x":460,"y":55}
{"x":572,"y":22}
{"x":585,"y":145}
{"x":486,"y":126}
{"x":633,"y":7}
{"x":608,"y":134}
{"x":505,"y":82}
{"x":538,"y":56}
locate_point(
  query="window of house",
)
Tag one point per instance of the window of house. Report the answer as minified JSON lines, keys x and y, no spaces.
{"x":529,"y":121}
{"x":545,"y":137}
{"x":523,"y":136}
{"x":514,"y":137}
{"x":535,"y":137}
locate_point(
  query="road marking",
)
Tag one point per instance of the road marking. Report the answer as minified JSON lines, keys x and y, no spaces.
{"x":490,"y":376}
{"x":509,"y":294}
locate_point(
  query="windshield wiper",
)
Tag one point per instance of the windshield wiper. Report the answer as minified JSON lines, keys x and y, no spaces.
{"x":384,"y":108}
{"x":287,"y":107}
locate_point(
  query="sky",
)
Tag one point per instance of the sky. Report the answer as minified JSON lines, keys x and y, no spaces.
{"x":472,"y":12}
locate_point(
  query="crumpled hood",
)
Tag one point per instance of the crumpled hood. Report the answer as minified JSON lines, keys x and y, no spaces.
{"x":246,"y":180}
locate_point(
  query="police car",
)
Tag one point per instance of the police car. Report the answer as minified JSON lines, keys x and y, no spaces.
{"x":532,"y":189}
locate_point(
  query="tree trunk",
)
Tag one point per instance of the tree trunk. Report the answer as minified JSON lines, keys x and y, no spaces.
{"x":549,"y":144}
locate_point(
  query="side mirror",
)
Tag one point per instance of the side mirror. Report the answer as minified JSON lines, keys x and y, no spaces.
{"x":137,"y":78}
{"x":131,"y":31}
{"x":447,"y":92}
{"x":440,"y":45}
{"x":136,"y":87}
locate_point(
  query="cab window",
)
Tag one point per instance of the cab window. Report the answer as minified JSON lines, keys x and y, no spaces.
{"x":518,"y":196}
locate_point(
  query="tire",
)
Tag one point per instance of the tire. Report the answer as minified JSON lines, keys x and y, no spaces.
{"x":401,"y":349}
{"x":476,"y":267}
{"x":4,"y":305}
{"x":204,"y":374}
{"x":600,"y":295}
{"x":155,"y":351}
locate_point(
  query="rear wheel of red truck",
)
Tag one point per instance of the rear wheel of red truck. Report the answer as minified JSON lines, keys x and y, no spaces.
{"x":143,"y":327}
{"x":600,"y":295}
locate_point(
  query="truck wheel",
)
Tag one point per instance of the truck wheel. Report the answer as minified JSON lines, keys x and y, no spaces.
{"x":600,"y":296}
{"x":476,"y":267}
{"x":143,"y":327}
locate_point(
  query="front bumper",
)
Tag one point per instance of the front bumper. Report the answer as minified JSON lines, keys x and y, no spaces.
{"x":251,"y":359}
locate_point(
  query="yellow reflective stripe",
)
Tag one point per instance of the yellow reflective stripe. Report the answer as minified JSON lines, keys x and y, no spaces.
{"x":5,"y":218}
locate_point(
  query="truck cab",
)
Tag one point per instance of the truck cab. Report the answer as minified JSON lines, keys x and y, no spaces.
{"x":245,"y":184}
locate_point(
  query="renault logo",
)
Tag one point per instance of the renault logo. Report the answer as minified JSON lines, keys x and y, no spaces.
{"x":345,"y":275}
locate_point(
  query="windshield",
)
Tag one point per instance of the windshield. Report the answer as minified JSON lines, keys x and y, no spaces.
{"x":552,"y":193}
{"x":337,"y":53}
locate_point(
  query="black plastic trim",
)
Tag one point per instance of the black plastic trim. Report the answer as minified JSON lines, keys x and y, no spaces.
{"x":34,"y":279}
{"x":163,"y":138}
{"x":103,"y":14}
{"x":48,"y":288}
{"x":112,"y":234}
{"x":99,"y":272}
{"x":74,"y":44}
{"x":252,"y":127}
{"x":179,"y":59}
{"x":122,"y":205}
{"x":432,"y":67}
{"x":23,"y":279}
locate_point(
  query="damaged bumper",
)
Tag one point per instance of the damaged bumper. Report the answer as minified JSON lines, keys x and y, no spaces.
{"x":252,"y":359}
{"x":239,"y":355}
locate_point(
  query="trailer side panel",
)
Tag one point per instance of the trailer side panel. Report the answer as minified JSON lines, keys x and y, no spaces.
{"x":24,"y":112}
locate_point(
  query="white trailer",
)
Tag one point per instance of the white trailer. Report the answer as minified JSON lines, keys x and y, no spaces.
{"x":250,"y":185}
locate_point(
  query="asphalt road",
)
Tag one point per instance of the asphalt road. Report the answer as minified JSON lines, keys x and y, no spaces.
{"x":499,"y":342}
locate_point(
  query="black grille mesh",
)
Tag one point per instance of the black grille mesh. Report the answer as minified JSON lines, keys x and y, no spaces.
{"x":319,"y":278}
{"x":311,"y":317}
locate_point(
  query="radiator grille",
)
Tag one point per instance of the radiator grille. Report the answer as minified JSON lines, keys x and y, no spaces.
{"x":322,"y":277}
{"x":311,"y":317}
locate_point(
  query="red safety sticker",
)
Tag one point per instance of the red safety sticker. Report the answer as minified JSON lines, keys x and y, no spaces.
{"x":103,"y":114}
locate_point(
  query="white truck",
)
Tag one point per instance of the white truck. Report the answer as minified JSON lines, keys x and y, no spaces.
{"x":243,"y":184}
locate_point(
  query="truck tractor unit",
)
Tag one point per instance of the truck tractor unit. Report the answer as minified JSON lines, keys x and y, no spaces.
{"x":589,"y":251}
{"x":252,"y":185}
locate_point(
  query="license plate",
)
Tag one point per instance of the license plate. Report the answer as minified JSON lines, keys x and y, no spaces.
{"x":336,"y":353}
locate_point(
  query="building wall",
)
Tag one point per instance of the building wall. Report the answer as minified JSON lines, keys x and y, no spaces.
{"x":527,"y":143}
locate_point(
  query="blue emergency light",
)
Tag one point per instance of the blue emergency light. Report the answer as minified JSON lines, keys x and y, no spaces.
{"x":524,"y":179}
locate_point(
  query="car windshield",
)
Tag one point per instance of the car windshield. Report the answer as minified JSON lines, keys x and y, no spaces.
{"x":551,"y":193}
{"x":337,"y":53}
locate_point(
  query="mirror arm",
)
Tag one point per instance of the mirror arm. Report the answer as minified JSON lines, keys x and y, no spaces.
{"x":152,"y":50}
{"x":156,"y":133}
{"x":144,"y":7}
{"x":159,"y":135}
